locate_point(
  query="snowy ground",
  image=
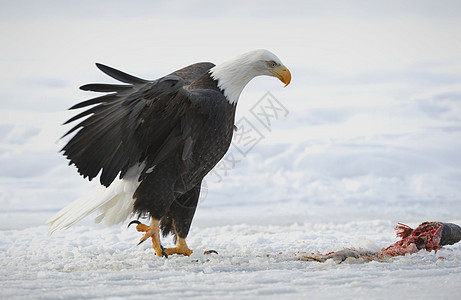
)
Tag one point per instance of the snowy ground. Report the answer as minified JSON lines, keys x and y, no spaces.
{"x":254,"y":261}
{"x":368,"y":134}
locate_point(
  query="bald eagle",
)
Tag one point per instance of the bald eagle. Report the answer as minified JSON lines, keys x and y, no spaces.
{"x":153,"y":142}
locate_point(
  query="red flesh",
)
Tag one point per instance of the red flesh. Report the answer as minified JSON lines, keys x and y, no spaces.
{"x":426,"y":236}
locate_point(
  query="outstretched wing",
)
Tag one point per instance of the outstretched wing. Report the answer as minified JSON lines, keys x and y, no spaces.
{"x":135,"y":122}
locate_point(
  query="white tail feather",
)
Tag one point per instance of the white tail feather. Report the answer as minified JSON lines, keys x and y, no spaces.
{"x":115,"y":202}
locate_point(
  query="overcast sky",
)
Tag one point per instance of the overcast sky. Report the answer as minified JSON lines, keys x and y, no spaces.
{"x":273,"y":9}
{"x":48,"y":48}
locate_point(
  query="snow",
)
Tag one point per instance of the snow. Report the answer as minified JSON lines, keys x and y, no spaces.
{"x":253,"y":261}
{"x":367,"y":134}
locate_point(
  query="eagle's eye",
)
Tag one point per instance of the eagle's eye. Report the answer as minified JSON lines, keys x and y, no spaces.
{"x":272,"y":64}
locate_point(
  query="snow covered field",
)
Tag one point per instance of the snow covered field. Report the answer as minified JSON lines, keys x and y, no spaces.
{"x":368,"y":134}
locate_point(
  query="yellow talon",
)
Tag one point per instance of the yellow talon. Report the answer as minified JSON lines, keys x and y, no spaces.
{"x":181,"y":248}
{"x":152,"y":231}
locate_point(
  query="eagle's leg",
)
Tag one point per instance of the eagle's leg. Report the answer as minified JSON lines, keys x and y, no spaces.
{"x":181,"y":248}
{"x":179,"y":219}
{"x":152,"y":231}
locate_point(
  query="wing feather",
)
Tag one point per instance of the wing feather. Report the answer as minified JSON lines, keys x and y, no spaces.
{"x":119,"y":75}
{"x":139,"y":122}
{"x":105,"y":88}
{"x":105,"y":98}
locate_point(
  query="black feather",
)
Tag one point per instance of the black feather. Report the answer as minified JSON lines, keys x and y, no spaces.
{"x":81,"y":115}
{"x":119,"y":75}
{"x":105,"y":88}
{"x":100,"y":99}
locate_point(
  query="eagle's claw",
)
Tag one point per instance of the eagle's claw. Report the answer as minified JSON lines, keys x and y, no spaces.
{"x":133,"y":222}
{"x":163,"y":252}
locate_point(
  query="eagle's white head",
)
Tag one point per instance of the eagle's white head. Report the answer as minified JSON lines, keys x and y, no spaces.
{"x":233,"y":75}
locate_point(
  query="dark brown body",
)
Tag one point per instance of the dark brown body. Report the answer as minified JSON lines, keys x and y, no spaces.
{"x":178,"y":127}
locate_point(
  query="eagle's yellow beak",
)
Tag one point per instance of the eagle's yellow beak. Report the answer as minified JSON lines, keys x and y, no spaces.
{"x":283,"y":74}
